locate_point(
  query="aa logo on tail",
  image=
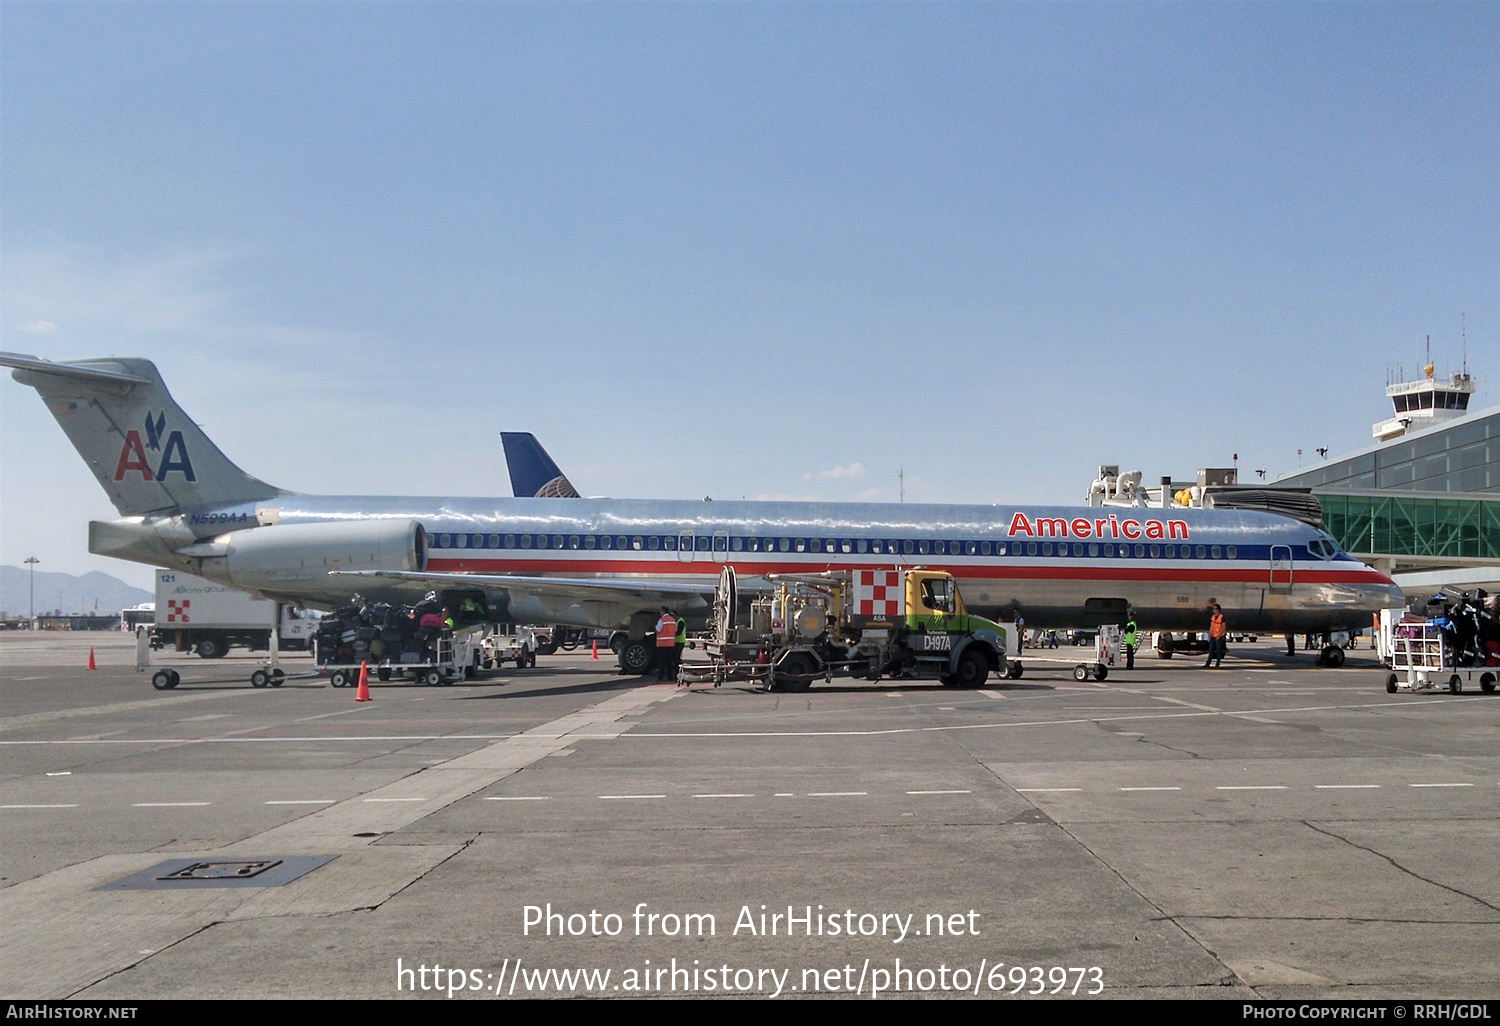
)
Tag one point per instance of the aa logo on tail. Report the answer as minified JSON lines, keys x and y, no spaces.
{"x":173,"y":451}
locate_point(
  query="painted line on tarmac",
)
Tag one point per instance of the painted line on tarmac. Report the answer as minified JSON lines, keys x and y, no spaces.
{"x":32,"y":719}
{"x":1150,"y":789}
{"x":303,"y":801}
{"x":38,"y":806}
{"x":168,"y":805}
{"x":1251,"y":787}
{"x":837,"y":794}
{"x":1072,"y":721}
{"x":1346,"y":787}
{"x":940,"y":792}
{"x":518,"y":798}
{"x":627,"y":797}
{"x":723,"y":796}
{"x":1439,"y":785}
{"x":1045,"y":790}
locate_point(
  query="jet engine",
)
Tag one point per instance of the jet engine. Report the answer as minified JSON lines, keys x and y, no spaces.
{"x":272,"y":558}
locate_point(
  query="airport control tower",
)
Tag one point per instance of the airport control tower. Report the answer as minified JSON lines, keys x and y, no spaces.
{"x":1424,"y":403}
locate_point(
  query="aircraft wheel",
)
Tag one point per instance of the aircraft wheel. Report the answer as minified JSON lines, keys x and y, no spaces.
{"x":164,"y":680}
{"x":1336,"y":657}
{"x":1390,"y":683}
{"x":1080,"y":672}
{"x":1100,"y":671}
{"x":1455,"y":684}
{"x":259,"y":679}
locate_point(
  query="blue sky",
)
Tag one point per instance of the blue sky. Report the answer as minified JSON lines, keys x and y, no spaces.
{"x":741,"y":249}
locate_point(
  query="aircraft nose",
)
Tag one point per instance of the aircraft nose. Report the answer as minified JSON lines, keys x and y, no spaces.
{"x":1384,"y":593}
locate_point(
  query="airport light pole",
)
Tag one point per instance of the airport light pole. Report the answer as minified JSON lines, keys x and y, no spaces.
{"x":31,"y":562}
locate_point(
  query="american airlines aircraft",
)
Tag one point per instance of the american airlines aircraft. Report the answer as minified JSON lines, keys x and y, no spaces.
{"x":614,"y":562}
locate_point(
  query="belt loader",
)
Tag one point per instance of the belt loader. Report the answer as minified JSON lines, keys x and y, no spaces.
{"x":906,"y":623}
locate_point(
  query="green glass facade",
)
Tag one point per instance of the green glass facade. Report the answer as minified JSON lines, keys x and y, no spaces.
{"x":1462,"y":456}
{"x":1396,"y":525}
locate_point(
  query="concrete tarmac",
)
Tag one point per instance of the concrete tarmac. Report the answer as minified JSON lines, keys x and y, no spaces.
{"x":1268,"y":829}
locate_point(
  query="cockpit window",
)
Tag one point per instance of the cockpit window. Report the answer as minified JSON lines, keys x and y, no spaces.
{"x":1323,"y":548}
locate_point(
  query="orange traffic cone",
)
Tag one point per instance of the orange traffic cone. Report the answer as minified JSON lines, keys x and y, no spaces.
{"x":596,"y":649}
{"x":363,"y":694}
{"x":91,"y":658}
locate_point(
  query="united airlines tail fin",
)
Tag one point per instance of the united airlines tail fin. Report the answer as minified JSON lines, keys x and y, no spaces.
{"x":147,"y":454}
{"x":532,"y":472}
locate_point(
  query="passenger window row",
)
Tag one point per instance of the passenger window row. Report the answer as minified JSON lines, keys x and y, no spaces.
{"x":861,"y":546}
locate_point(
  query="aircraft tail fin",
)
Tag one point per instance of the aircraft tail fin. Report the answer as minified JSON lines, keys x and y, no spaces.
{"x":532,"y":472}
{"x":145,"y":451}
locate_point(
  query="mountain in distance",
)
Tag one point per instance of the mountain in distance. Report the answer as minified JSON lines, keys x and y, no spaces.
{"x":69,"y":593}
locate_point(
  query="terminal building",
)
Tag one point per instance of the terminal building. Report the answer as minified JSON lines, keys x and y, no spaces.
{"x":1423,"y":502}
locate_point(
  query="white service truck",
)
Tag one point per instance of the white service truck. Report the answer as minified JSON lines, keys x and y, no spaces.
{"x":195,"y":615}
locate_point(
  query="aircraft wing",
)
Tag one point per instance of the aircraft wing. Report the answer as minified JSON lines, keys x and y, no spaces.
{"x":647,"y":590}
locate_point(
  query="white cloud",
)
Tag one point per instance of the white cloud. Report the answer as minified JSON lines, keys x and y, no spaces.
{"x":39,"y":328}
{"x":838,"y":473}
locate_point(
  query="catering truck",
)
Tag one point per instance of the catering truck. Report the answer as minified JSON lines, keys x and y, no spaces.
{"x":194,"y":615}
{"x":897,"y":623}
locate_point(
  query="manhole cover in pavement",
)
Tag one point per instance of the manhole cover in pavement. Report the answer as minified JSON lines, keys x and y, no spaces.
{"x":189,"y":874}
{"x":222,"y":870}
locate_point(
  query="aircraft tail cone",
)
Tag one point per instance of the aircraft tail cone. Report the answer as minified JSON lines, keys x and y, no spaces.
{"x":363,"y":694}
{"x":596,"y":650}
{"x":92,"y":665}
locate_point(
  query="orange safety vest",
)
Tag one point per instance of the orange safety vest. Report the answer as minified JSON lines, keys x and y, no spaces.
{"x":1216,"y":626}
{"x":666,"y":632}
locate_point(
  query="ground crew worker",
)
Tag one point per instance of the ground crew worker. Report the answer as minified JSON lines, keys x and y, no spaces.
{"x":1131,"y":632}
{"x":1217,"y":637}
{"x":679,"y":640}
{"x":666,"y":644}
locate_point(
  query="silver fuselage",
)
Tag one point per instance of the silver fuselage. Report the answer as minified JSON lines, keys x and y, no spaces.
{"x":1057,"y":566}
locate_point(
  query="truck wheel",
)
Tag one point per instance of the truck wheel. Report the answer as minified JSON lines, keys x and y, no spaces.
{"x":211,"y":648}
{"x":795,"y":673}
{"x":636,"y":657}
{"x":973,"y":669}
{"x":162,"y":680}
